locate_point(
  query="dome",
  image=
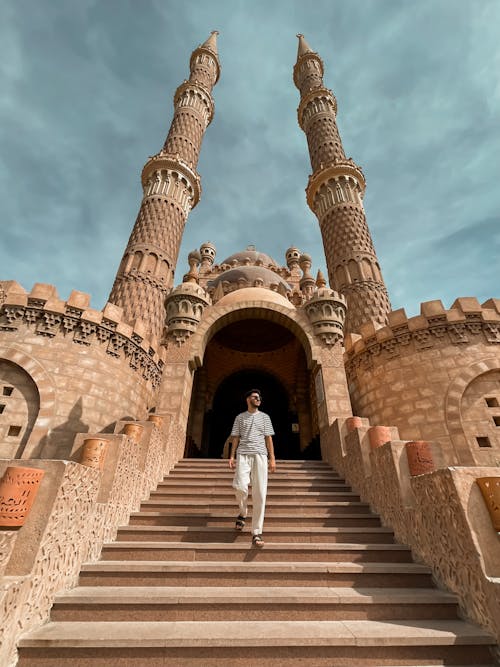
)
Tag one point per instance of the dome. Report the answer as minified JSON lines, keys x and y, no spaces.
{"x":239,"y":296}
{"x":251,"y":254}
{"x":251,"y":274}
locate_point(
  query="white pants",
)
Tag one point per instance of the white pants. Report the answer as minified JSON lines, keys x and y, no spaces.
{"x":251,"y":468}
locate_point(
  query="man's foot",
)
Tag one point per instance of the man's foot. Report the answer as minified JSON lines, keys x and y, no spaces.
{"x":240,"y":522}
{"x":257,"y":541}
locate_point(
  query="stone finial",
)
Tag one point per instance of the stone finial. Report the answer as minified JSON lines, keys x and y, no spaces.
{"x":211,"y":42}
{"x":194,"y":259}
{"x":320,"y":280}
{"x":185,"y":305}
{"x":326,"y":310}
{"x":292,"y":256}
{"x":303,"y":46}
{"x":207,"y":254}
{"x":307,"y":282}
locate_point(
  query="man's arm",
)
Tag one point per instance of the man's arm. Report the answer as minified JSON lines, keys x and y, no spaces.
{"x":270,"y":451}
{"x":234,"y":444}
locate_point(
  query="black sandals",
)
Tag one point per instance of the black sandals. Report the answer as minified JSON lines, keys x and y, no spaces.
{"x":257,"y":541}
{"x":240,"y":522}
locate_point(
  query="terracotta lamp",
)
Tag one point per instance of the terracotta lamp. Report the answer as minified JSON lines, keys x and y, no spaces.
{"x":490,"y":488}
{"x":94,"y":452}
{"x":419,"y":455}
{"x":18,"y":489}
{"x":134,"y":431}
{"x":157,"y":420}
{"x":352,"y":423}
{"x":379,"y":435}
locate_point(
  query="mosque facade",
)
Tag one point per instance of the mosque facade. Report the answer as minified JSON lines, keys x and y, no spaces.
{"x":325,"y":351}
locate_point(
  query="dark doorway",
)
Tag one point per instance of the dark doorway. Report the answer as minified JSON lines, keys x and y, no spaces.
{"x":229,"y":401}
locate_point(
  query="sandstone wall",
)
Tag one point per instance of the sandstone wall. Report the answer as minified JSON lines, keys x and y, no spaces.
{"x":76,"y":510}
{"x":440,"y":515}
{"x":435,"y":376}
{"x":68,"y":369}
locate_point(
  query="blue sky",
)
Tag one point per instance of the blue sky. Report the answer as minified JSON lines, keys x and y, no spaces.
{"x":87,"y":91}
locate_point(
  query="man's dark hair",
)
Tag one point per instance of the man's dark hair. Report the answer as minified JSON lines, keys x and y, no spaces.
{"x":253,"y":391}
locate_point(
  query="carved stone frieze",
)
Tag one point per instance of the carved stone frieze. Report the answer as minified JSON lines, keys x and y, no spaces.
{"x":83,"y":332}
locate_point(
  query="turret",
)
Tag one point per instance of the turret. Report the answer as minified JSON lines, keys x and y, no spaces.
{"x":171,"y":188}
{"x":335,"y":194}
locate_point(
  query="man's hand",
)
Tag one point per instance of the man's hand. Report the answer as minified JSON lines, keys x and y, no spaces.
{"x":232,"y":463}
{"x":272,"y":464}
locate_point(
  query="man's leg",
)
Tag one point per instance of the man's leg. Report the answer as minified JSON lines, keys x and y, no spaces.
{"x":259,"y":492}
{"x":241,"y":481}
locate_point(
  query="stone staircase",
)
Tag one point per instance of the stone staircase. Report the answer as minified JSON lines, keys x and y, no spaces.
{"x":180,"y":586}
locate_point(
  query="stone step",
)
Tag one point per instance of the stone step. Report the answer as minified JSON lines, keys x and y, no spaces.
{"x":254,"y":573}
{"x":171,"y":517}
{"x":273,"y":495}
{"x":245,"y":643}
{"x":301,"y":485}
{"x":279,"y":475}
{"x":289,"y":463}
{"x":318,"y":508}
{"x":250,"y":603}
{"x":319,"y":551}
{"x":227,"y":534}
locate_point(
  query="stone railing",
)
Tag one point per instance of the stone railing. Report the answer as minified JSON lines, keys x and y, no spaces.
{"x":78,"y":507}
{"x":464,"y":321}
{"x":43,"y":312}
{"x":440,"y":515}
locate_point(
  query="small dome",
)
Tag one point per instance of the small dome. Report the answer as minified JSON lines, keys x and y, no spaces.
{"x":251,"y":254}
{"x":265,"y":277}
{"x":239,"y":296}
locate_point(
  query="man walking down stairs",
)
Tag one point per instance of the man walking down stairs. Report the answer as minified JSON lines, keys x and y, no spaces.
{"x":180,"y":586}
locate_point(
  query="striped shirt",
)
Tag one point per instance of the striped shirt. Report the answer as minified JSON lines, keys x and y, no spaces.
{"x":252,"y":427}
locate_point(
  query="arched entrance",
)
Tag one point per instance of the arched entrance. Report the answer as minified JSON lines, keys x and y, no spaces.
{"x":229,"y":401}
{"x":253,"y":353}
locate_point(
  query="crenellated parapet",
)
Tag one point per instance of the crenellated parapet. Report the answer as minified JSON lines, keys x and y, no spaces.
{"x":44,"y":314}
{"x":466,"y":321}
{"x":436,"y":376}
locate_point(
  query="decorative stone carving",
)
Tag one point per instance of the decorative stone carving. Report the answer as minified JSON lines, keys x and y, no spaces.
{"x":157,"y":420}
{"x":94,"y":452}
{"x":133,"y":431}
{"x":326,"y":310}
{"x":185,"y":305}
{"x":419,"y":455}
{"x":74,"y":323}
{"x":490,"y":488}
{"x":18,"y":489}
{"x":379,"y":435}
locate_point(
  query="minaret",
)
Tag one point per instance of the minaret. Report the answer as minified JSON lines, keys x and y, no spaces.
{"x":171,"y":188}
{"x":335,"y":194}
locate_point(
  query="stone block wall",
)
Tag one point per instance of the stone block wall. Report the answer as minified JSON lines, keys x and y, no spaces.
{"x":435,"y":376}
{"x":68,"y":369}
